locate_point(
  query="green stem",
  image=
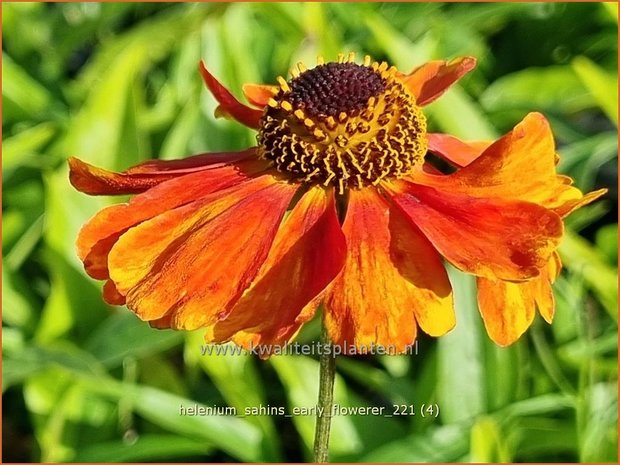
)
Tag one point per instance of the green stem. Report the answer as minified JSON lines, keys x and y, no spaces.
{"x":327,"y":374}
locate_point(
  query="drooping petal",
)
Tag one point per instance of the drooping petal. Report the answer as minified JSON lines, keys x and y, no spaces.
{"x":543,"y":292}
{"x":97,"y":237}
{"x":165,"y":322}
{"x":259,"y":94}
{"x":193,"y":163}
{"x":97,"y":181}
{"x":229,"y":105}
{"x":111,"y":294}
{"x":195,"y":261}
{"x":91,"y":180}
{"x":494,"y":238}
{"x":307,"y":254}
{"x":571,"y":205}
{"x":392,"y":277}
{"x":455,"y":151}
{"x":507,"y":308}
{"x":519,"y":165}
{"x":429,"y":81}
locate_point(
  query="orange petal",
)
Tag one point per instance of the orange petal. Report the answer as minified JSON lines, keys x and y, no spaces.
{"x":493,"y":238}
{"x":111,"y":294}
{"x":229,"y":105}
{"x":571,"y":205}
{"x":196,"y":260}
{"x":392,"y":277}
{"x":97,"y":181}
{"x":165,"y":322}
{"x":93,"y":249}
{"x":426,"y":168}
{"x":554,"y":267}
{"x":454,"y":150}
{"x":432,"y":79}
{"x":520,"y":166}
{"x":259,"y":94}
{"x":193,"y":163}
{"x":542,"y":291}
{"x":506,"y":308}
{"x":97,"y":237}
{"x":308,"y":252}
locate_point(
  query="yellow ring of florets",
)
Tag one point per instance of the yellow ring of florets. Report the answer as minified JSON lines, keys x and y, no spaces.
{"x":384,"y":138}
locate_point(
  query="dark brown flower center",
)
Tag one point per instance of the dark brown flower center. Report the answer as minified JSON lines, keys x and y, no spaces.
{"x":343,"y":124}
{"x":332,"y":88}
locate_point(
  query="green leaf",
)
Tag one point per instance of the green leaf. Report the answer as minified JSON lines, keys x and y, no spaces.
{"x":14,"y":222}
{"x":238,"y":438}
{"x":607,"y":243}
{"x":160,"y":371}
{"x":502,"y":373}
{"x":18,"y":366}
{"x":176,"y":142}
{"x":535,"y":437}
{"x":457,"y":114}
{"x":22,"y":149}
{"x":75,"y":414}
{"x":587,"y":215}
{"x":570,"y":294}
{"x":579,"y":256}
{"x":553,"y":88}
{"x":599,"y":441}
{"x":22,"y":218}
{"x":487,"y":442}
{"x":233,"y":435}
{"x":582,"y":351}
{"x":104,"y":129}
{"x":12,"y":340}
{"x":18,"y":308}
{"x":602,"y":86}
{"x":237,"y":379}
{"x":185,"y":84}
{"x":403,"y":52}
{"x":538,"y":405}
{"x":396,"y":388}
{"x":23,"y":97}
{"x":285,"y":21}
{"x":149,"y":41}
{"x":300,"y":376}
{"x":146,"y":448}
{"x":439,"y":444}
{"x":461,"y":372}
{"x":222,"y":134}
{"x":96,"y":132}
{"x":123,"y":334}
{"x":612,"y":9}
{"x":327,"y":32}
{"x":24,"y":245}
{"x":71,"y":293}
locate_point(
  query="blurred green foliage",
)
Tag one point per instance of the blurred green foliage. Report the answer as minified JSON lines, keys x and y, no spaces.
{"x":117,"y":83}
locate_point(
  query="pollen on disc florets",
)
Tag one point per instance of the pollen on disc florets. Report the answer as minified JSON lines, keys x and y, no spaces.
{"x":343,"y":124}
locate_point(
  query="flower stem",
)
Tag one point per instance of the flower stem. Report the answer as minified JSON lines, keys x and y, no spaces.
{"x":327,"y":374}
